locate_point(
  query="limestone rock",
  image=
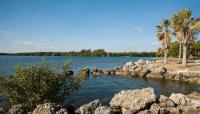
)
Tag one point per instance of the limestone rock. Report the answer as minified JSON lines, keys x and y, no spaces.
{"x":84,"y":72}
{"x":156,"y":109}
{"x":103,"y":110}
{"x":166,"y":102}
{"x":144,"y":112}
{"x":62,"y":111}
{"x":97,"y":72}
{"x":133,"y":100}
{"x":17,"y":109}
{"x":180,"y":99}
{"x":49,"y":108}
{"x":90,"y":107}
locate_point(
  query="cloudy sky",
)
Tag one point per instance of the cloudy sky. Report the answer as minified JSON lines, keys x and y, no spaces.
{"x":72,"y":25}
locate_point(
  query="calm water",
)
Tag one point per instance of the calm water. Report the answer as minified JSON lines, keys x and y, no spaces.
{"x":101,"y":87}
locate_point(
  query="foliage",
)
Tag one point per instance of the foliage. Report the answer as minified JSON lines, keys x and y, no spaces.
{"x":160,"y":52}
{"x":38,"y":84}
{"x":163,"y":34}
{"x":174,"y":49}
{"x":99,"y":52}
{"x":195,"y":49}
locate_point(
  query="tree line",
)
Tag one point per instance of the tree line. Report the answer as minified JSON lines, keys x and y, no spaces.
{"x":193,"y":51}
{"x":85,"y":52}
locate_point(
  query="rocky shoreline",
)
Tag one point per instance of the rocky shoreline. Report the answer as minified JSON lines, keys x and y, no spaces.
{"x":149,"y":69}
{"x":138,"y":101}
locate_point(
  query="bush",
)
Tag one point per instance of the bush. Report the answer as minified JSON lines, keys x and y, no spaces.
{"x":38,"y":84}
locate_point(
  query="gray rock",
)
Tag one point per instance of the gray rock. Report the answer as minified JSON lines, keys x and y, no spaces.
{"x":132,"y":101}
{"x":17,"y":109}
{"x":103,"y":110}
{"x":90,"y":107}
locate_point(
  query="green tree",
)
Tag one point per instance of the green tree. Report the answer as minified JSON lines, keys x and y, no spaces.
{"x":159,"y":52}
{"x":174,"y":49}
{"x":163,"y":34}
{"x":195,"y":49}
{"x":183,"y":25}
{"x":38,"y":84}
{"x":99,"y":52}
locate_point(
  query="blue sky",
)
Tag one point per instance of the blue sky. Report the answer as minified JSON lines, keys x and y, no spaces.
{"x":72,"y":25}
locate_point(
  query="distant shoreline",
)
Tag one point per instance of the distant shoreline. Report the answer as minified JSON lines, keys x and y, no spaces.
{"x":86,"y":53}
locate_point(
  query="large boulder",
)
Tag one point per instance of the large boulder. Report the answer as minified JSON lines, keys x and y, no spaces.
{"x":103,"y":110}
{"x":180,"y":99}
{"x":50,"y":108}
{"x":132,"y":101}
{"x":18,"y":109}
{"x":156,"y":72}
{"x":89,"y":108}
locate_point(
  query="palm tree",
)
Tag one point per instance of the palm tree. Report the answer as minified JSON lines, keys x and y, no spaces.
{"x":163,"y":34}
{"x":186,"y":29}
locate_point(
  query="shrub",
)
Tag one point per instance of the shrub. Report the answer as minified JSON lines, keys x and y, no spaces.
{"x":38,"y":84}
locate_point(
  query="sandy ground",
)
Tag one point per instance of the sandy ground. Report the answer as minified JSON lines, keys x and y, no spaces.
{"x":175,"y":65}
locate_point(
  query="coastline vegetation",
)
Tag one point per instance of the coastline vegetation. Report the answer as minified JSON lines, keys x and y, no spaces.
{"x":85,"y":52}
{"x":38,"y":84}
{"x":174,"y":50}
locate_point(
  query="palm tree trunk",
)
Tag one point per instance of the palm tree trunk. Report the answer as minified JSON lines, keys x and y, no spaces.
{"x":180,"y":51}
{"x":165,"y":57}
{"x":184,"y":60}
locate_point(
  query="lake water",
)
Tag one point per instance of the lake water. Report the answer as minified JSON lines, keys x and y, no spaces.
{"x":99,"y":87}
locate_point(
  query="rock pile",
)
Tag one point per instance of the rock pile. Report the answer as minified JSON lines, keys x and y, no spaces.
{"x":138,"y":101}
{"x":148,"y":70}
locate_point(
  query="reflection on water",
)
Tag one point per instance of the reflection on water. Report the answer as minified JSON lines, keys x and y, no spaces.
{"x":104,"y":88}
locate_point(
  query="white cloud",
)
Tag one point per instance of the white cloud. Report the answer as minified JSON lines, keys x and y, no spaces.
{"x":138,"y":29}
{"x":156,"y":43}
{"x":30,"y":45}
{"x":5,"y":33}
{"x":24,"y":42}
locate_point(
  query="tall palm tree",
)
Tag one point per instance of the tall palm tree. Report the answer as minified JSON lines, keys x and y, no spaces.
{"x":163,"y":34}
{"x":186,"y":27}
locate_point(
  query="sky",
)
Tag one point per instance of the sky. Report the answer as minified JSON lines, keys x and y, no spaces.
{"x":72,"y":25}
